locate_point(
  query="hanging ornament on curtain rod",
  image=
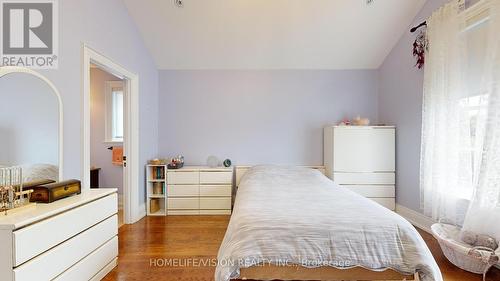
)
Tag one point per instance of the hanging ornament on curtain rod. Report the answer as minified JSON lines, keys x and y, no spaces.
{"x":419,"y":48}
{"x":420,"y":45}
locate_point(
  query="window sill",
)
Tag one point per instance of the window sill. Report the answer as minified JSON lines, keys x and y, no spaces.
{"x":113,"y":142}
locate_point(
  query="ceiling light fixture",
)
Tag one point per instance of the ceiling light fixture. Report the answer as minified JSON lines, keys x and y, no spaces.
{"x":179,"y":3}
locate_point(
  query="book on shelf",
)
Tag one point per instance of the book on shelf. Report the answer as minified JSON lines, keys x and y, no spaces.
{"x":158,"y":188}
{"x":154,"y":205}
{"x":157,"y":173}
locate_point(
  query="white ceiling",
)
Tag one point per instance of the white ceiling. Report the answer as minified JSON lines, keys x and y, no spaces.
{"x":272,"y":34}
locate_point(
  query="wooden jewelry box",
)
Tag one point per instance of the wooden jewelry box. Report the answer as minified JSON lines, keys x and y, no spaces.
{"x":49,"y":193}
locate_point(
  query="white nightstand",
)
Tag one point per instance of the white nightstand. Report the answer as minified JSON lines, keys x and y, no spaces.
{"x":197,"y":190}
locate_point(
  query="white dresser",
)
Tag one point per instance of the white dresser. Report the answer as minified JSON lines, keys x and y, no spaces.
{"x":362,"y":159}
{"x":71,"y":239}
{"x":199,"y":191}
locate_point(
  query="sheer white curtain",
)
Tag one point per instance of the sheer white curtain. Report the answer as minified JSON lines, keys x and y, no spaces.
{"x":446,"y":177}
{"x":484,"y":213}
{"x":460,"y":158}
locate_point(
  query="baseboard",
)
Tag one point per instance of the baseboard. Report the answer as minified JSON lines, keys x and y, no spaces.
{"x":141,"y":213}
{"x":138,"y":214}
{"x":417,"y":219}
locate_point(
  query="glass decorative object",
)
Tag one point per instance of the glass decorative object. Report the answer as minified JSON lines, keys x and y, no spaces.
{"x":12,"y":194}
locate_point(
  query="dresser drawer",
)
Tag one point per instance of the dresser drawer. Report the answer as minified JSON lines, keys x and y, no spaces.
{"x":215,"y":203}
{"x":38,"y":238}
{"x":85,"y":269}
{"x":373,"y":190}
{"x":179,"y":177}
{"x":55,"y":261}
{"x":364,"y":149}
{"x":389,"y":203}
{"x":216,"y":177}
{"x":183,"y":190}
{"x":364,"y":178}
{"x":183,"y":212}
{"x":183,"y":203}
{"x":215,"y":190}
{"x":215,"y":212}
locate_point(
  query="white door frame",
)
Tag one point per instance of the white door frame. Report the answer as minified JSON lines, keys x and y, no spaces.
{"x":132,"y":211}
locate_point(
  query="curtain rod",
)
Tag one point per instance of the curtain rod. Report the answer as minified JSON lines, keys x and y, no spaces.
{"x":418,"y":26}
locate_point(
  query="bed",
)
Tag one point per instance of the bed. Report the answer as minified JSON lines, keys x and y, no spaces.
{"x":37,"y":172}
{"x":293,"y":223}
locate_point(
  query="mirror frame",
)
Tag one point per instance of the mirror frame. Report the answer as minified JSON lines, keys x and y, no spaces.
{"x":5,"y":70}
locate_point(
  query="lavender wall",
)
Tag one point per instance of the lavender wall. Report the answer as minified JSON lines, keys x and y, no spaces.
{"x":258,"y":116}
{"x":400,"y":103}
{"x":100,"y":156}
{"x":109,"y":30}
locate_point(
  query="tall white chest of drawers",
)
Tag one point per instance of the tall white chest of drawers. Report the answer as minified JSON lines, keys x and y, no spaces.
{"x":197,"y":190}
{"x":362,"y":159}
{"x":71,"y":239}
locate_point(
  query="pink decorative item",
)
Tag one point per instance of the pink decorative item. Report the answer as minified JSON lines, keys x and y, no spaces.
{"x":345,"y":122}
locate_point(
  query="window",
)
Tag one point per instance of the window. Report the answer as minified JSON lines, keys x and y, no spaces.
{"x":473,"y":107}
{"x":114,"y":111}
{"x":473,"y":111}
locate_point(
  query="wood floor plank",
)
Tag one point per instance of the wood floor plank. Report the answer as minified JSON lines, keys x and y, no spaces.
{"x":144,"y":246}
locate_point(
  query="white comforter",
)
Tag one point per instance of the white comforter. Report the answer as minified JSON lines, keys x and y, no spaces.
{"x":289,"y":215}
{"x":34,"y":172}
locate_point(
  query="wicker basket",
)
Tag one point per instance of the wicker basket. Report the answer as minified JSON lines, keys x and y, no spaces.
{"x":473,"y":259}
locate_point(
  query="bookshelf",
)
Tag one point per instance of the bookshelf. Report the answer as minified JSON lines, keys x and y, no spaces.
{"x":156,"y":190}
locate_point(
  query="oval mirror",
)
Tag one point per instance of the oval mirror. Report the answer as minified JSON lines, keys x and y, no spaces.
{"x":30,"y":124}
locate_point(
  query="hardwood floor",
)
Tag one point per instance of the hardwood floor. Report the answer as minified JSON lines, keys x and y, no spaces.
{"x":146,"y":247}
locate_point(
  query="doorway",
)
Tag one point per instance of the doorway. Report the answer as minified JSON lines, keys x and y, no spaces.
{"x":107,"y":115}
{"x":132,"y":211}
